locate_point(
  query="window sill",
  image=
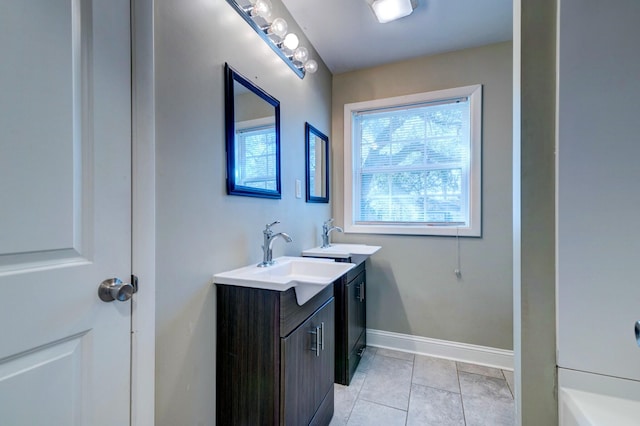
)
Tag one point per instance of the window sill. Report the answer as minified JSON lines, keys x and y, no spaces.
{"x":426,"y":230}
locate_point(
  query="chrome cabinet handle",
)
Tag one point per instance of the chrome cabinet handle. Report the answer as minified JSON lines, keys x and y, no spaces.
{"x":114,"y":289}
{"x":322,"y":340}
{"x":361,"y":295}
{"x":317,"y":332}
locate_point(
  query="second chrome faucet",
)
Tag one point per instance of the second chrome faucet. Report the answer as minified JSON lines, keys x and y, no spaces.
{"x":269,"y":237}
{"x":326,"y":230}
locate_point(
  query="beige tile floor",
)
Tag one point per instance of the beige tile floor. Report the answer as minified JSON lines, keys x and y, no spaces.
{"x":396,"y":388}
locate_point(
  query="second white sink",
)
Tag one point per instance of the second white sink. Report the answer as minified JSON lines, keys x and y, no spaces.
{"x":307,"y":275}
{"x":341,"y":250}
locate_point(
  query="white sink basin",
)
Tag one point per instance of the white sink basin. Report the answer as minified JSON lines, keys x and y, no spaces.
{"x":308,"y":276}
{"x":341,"y":250}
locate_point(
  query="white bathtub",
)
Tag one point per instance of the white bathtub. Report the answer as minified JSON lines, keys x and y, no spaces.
{"x":586,"y":399}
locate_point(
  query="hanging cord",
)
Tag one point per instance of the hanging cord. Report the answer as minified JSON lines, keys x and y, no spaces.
{"x":458,"y":270}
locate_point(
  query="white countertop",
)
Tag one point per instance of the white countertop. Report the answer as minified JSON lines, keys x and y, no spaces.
{"x":342,"y":251}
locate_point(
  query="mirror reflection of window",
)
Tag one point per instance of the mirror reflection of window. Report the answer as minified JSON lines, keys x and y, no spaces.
{"x":317,"y":165}
{"x":313,"y":169}
{"x":256,"y":153}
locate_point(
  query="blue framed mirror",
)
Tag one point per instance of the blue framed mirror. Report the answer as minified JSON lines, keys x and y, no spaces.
{"x":252,"y":128}
{"x":316,"y":164}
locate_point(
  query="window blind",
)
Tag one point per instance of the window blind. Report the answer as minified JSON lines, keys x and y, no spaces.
{"x":256,"y":157}
{"x":411,"y":164}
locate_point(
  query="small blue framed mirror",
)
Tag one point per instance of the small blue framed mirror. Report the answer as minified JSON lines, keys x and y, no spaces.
{"x":317,"y":165}
{"x":252,"y":127}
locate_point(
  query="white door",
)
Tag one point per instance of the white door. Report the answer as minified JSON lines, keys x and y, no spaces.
{"x":65,"y":208}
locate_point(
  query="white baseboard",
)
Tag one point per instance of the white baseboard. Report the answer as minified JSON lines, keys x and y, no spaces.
{"x":491,"y":357}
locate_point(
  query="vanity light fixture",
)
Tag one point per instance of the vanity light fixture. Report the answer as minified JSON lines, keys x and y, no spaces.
{"x":390,"y":10}
{"x":275,"y":33}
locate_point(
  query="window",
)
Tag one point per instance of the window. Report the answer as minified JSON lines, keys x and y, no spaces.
{"x":412,"y":164}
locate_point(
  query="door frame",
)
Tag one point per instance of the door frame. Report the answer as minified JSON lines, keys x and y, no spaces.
{"x":143,"y":235}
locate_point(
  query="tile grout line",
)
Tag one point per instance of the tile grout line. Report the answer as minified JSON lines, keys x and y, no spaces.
{"x":413,"y":369}
{"x":382,"y":404}
{"x":436,"y":388}
{"x":464,"y":414}
{"x":508,"y":385}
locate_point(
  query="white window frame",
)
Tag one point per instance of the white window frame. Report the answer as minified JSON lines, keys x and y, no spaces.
{"x":474,"y":227}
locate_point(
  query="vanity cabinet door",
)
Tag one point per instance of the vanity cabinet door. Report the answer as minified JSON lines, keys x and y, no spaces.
{"x":307,"y":366}
{"x":326,"y":359}
{"x":356,"y":314}
{"x":298,"y":374}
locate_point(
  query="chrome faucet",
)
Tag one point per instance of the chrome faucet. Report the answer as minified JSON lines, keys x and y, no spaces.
{"x":326,"y":230}
{"x":269,"y":237}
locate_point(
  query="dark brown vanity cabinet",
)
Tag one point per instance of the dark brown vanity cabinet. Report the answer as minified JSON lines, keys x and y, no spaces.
{"x":351,"y":319}
{"x":308,"y":368}
{"x":275,"y":359}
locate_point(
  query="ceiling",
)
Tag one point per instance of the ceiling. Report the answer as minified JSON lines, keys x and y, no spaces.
{"x":347,"y":36}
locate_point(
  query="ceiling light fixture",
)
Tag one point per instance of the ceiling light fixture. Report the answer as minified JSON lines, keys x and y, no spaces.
{"x":390,"y":10}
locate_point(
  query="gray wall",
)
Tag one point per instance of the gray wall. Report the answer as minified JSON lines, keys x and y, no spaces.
{"x":201,"y":230}
{"x":411,"y":281}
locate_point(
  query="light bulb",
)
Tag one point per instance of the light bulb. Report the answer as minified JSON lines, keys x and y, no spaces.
{"x":291,"y":41}
{"x":300,"y":55}
{"x":278,"y":27}
{"x":311,"y":66}
{"x":261,"y":8}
